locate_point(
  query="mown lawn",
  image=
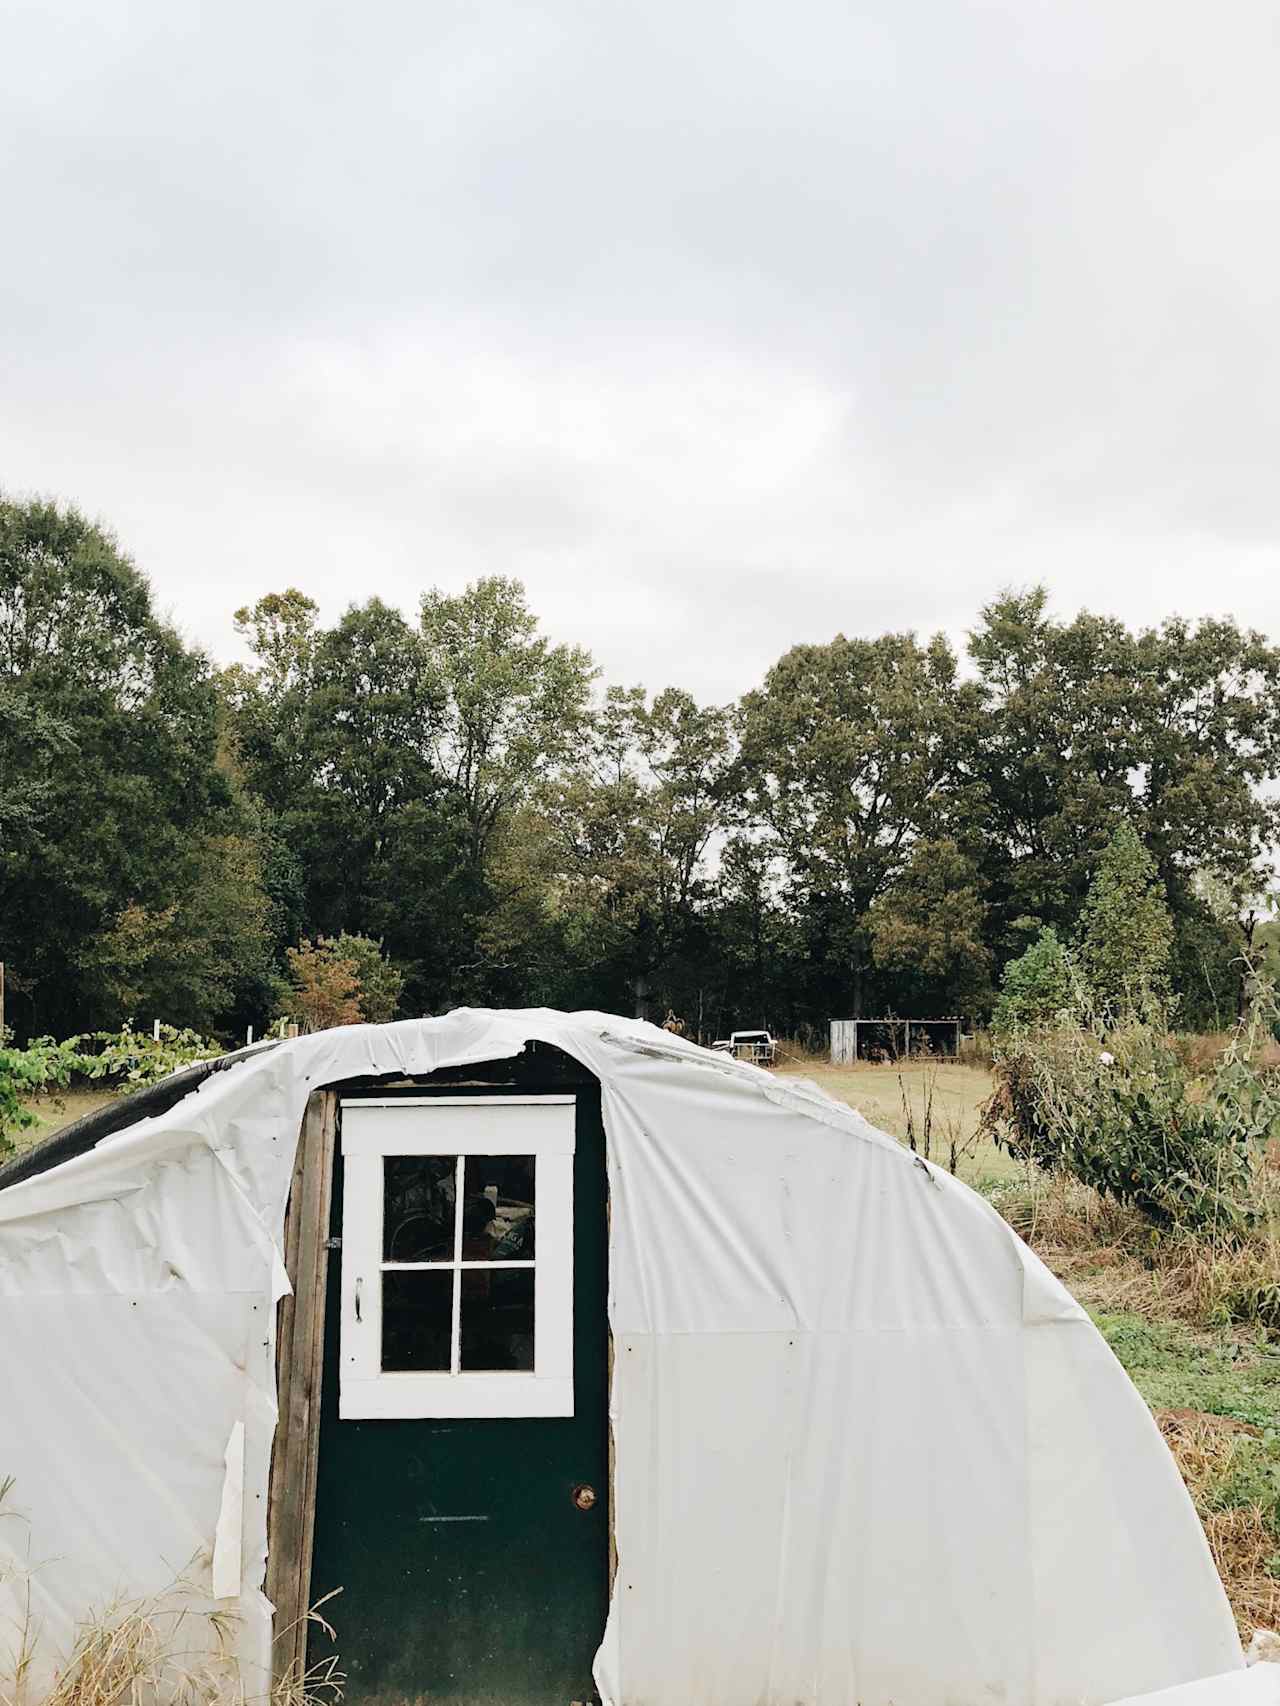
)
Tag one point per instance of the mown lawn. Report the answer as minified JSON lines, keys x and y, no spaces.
{"x":938,"y":1099}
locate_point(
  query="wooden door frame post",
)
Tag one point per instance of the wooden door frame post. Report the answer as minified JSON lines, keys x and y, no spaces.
{"x":291,"y":1506}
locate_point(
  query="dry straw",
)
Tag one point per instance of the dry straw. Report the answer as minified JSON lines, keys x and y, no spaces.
{"x":165,"y":1649}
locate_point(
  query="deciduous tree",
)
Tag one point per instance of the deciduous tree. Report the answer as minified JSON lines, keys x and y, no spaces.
{"x":630,"y":830}
{"x":123,"y":777}
{"x":513,"y":705}
{"x":1175,"y":728}
{"x":927,"y":928}
{"x":849,"y":757}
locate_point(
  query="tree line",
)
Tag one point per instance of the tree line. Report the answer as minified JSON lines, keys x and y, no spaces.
{"x":879,"y":826}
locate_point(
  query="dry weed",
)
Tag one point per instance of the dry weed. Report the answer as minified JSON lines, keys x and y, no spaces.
{"x":1242,"y":1545}
{"x":1242,"y":1538}
{"x":1114,"y":1254}
{"x":165,"y":1650}
{"x":802,"y":1051}
{"x":149,"y":1652}
{"x":1201,"y":1051}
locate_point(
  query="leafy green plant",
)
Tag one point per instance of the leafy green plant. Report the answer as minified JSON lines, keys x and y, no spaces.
{"x":29,"y":1072}
{"x":380,"y":980}
{"x":1118,"y":1110}
{"x":1126,"y":931}
{"x":126,"y":1057}
{"x":1036,"y":987}
{"x":138,"y":1058}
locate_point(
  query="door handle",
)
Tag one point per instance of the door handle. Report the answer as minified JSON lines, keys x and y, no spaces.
{"x":584,"y":1497}
{"x":359,"y":1283}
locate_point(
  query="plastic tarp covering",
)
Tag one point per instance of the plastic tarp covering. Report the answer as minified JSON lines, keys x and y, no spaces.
{"x":1257,"y":1686}
{"x":867,"y":1448}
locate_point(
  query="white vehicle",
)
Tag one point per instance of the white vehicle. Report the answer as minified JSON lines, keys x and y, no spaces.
{"x":756,"y":1046}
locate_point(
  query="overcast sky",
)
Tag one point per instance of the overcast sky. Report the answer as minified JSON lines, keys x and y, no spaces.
{"x":723,"y":326}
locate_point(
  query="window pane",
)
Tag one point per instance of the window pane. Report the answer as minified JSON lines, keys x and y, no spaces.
{"x":418,"y":1193}
{"x":497,"y":1319}
{"x":417,"y":1319}
{"x":498,"y":1204}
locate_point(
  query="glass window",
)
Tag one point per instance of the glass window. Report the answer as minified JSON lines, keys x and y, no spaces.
{"x":497,"y":1319}
{"x":419,"y":1193}
{"x":453,"y":1302}
{"x":458,"y":1263}
{"x":417,"y":1319}
{"x":506,"y":1183}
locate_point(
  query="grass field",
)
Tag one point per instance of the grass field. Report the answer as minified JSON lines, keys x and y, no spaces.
{"x":891,"y":1097}
{"x":53,"y":1112}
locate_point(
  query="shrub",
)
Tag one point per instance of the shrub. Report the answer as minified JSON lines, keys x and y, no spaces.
{"x":342,"y":980}
{"x":1126,"y":930}
{"x":326,"y":986}
{"x":1118,"y":1110}
{"x":379,"y":980}
{"x":29,"y":1072}
{"x":1036,"y":987}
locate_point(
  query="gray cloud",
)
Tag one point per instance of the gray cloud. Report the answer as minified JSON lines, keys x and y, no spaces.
{"x":723,"y":327}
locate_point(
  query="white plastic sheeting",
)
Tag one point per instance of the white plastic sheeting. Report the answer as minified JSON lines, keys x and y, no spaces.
{"x":867,"y":1448}
{"x":1257,"y":1686}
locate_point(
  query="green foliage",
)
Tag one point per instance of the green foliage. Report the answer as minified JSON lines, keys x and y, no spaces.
{"x":1126,"y":933}
{"x":379,"y":981}
{"x":1209,"y":962}
{"x":1116,"y":1107}
{"x":341,"y":980}
{"x":864,"y":832}
{"x":848,"y":759}
{"x":25,"y":1073}
{"x":928,"y":927}
{"x":513,"y":706}
{"x":33,"y":744}
{"x":1085,"y":722}
{"x":1265,"y":949}
{"x":14,"y":1114}
{"x":187,"y":958}
{"x":1035,"y":987}
{"x":1175,"y":1369}
{"x":109,"y":774}
{"x":628,"y":831}
{"x":396,"y":759}
{"x":139,"y":1058}
{"x":129,"y":1058}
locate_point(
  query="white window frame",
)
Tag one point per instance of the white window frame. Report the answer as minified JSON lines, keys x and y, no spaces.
{"x":541,"y":1126}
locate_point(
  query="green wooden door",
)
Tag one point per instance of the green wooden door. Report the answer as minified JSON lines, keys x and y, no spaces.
{"x":469,"y":1570}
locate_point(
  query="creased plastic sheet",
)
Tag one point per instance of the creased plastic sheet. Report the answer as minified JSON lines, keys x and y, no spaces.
{"x":867,"y":1448}
{"x":228,"y":1538}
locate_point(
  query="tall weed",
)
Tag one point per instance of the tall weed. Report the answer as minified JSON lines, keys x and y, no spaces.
{"x":1115,"y":1106}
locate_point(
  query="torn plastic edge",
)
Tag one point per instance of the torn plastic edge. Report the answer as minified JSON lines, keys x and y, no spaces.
{"x":228,"y":1536}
